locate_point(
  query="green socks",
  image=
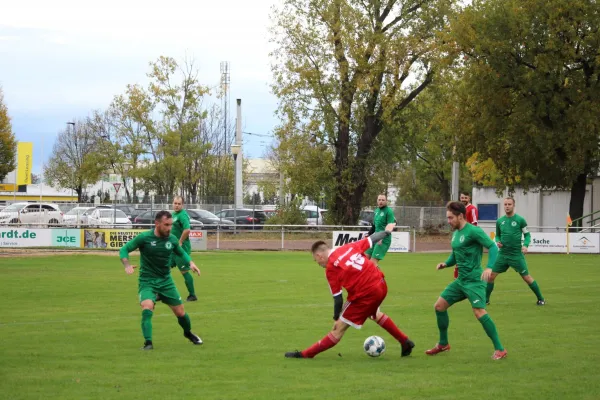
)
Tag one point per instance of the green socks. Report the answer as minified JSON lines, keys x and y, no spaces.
{"x":443,"y":321}
{"x":189,"y":283}
{"x":185,"y":322}
{"x":536,"y":289}
{"x":147,"y":324}
{"x":488,"y":291}
{"x":492,"y":332}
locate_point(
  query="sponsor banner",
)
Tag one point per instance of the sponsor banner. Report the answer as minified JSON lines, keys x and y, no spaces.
{"x":108,"y":238}
{"x":22,"y":237}
{"x":24,"y":162}
{"x":584,"y":243}
{"x":198,"y":240}
{"x":66,"y":237}
{"x":400,"y":240}
{"x":548,"y":242}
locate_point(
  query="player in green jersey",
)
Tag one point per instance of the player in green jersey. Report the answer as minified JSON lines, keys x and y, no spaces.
{"x":382,"y":216}
{"x":181,"y":230}
{"x":468,"y":242}
{"x":510,"y":230}
{"x":156,"y":247}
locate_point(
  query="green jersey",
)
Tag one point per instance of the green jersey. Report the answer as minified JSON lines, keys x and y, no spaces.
{"x":181,"y":222}
{"x":467,"y":250}
{"x":381,"y":217}
{"x":509,"y":232}
{"x":155,"y":254}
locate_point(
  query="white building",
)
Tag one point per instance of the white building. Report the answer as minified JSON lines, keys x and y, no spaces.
{"x":548,"y":208}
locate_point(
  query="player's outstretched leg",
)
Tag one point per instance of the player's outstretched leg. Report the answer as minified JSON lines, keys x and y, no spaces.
{"x":189,"y":284}
{"x":386,"y":323}
{"x":443,"y":321}
{"x":490,"y":329}
{"x":488,"y":291}
{"x":330,"y":340}
{"x":533,"y":285}
{"x":186,"y":324}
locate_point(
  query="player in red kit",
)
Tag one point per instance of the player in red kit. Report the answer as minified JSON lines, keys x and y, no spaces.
{"x":471,"y":216}
{"x":348,"y":268}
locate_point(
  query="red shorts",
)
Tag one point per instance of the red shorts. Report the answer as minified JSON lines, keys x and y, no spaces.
{"x":356,"y":312}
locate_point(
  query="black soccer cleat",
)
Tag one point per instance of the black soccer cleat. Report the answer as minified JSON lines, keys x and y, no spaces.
{"x":148,"y":345}
{"x":293,"y":354}
{"x":191,"y":297}
{"x":407,"y":347}
{"x":193,"y":338}
{"x":541,"y":302}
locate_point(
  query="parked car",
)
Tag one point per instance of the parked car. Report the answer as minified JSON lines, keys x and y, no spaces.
{"x":73,"y":216}
{"x":365,"y":218}
{"x":243,"y":216}
{"x":314,"y":215}
{"x":31,"y":213}
{"x":105,"y":218}
{"x":146,"y":220}
{"x":209,"y":220}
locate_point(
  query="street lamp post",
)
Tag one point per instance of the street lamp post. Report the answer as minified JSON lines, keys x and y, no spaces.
{"x":73,"y":170}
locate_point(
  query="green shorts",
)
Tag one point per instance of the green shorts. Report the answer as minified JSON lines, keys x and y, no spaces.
{"x":458,"y":291}
{"x":177,"y":261}
{"x":378,"y":251}
{"x":148,"y":289}
{"x":517,"y":262}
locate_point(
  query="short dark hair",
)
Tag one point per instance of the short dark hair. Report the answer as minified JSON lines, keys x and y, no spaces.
{"x":317,"y":246}
{"x":466,"y":193}
{"x":456,"y":208}
{"x":510,"y":198}
{"x":159,"y":215}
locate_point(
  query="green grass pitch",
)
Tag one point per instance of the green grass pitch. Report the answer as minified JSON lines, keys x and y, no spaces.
{"x":70,"y":329}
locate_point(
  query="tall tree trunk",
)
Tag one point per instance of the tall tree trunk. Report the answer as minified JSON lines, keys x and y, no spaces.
{"x":577,"y":198}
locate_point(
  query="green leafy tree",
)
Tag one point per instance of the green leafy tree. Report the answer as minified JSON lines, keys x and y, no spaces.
{"x":342,"y":68}
{"x":8,"y":142}
{"x":529,"y":94}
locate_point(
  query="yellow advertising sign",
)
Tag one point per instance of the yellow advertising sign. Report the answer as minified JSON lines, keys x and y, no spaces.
{"x":24,"y":162}
{"x":108,"y":238}
{"x":7,"y":187}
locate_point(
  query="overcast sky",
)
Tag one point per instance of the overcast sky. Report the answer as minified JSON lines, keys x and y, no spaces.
{"x":61,"y":59}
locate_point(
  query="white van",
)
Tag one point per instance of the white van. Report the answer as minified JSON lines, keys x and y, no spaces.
{"x":314,"y":215}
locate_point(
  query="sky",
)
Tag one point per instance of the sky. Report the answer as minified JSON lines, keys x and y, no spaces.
{"x":62,"y":59}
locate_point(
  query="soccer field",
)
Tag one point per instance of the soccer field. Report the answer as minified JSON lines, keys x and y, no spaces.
{"x":70,"y":329}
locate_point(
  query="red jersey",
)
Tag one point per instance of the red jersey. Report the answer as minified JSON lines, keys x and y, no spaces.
{"x":472,"y":214}
{"x":348,"y":267}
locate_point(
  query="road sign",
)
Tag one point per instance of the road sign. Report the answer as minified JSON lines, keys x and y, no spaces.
{"x":117,"y":186}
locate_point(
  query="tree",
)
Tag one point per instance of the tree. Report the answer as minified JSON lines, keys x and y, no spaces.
{"x":35,"y":179}
{"x":529,"y":94}
{"x":342,"y":68}
{"x":8,"y":142}
{"x":73,"y":163}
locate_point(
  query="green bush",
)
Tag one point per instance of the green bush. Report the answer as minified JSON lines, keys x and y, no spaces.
{"x":287,"y":214}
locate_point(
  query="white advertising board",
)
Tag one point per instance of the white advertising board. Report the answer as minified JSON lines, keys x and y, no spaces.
{"x":24,"y":237}
{"x":400,"y":240}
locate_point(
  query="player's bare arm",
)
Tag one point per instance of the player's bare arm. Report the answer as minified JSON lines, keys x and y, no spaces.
{"x":194,"y":268}
{"x":128,"y":267}
{"x":184,"y":236}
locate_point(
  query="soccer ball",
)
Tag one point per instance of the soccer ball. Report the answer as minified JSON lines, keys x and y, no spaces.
{"x":374,"y":346}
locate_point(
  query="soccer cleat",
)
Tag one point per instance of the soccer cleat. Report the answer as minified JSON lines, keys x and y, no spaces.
{"x":498,"y":354}
{"x":294,"y":354}
{"x":437,"y":349}
{"x":541,"y":302}
{"x":191,"y":297}
{"x":148,"y":345}
{"x":407,"y":347}
{"x":487,"y":303}
{"x":193,"y":338}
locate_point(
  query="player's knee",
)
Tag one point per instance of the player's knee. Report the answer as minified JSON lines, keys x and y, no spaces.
{"x":439,"y":306}
{"x":179,"y":311}
{"x":479,"y":312}
{"x":147,"y":305}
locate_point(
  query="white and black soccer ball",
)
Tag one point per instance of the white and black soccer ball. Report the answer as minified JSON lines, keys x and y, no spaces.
{"x":374,"y":346}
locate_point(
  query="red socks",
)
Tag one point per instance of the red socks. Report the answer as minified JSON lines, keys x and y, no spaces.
{"x":324,"y":344}
{"x":386,"y":323}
